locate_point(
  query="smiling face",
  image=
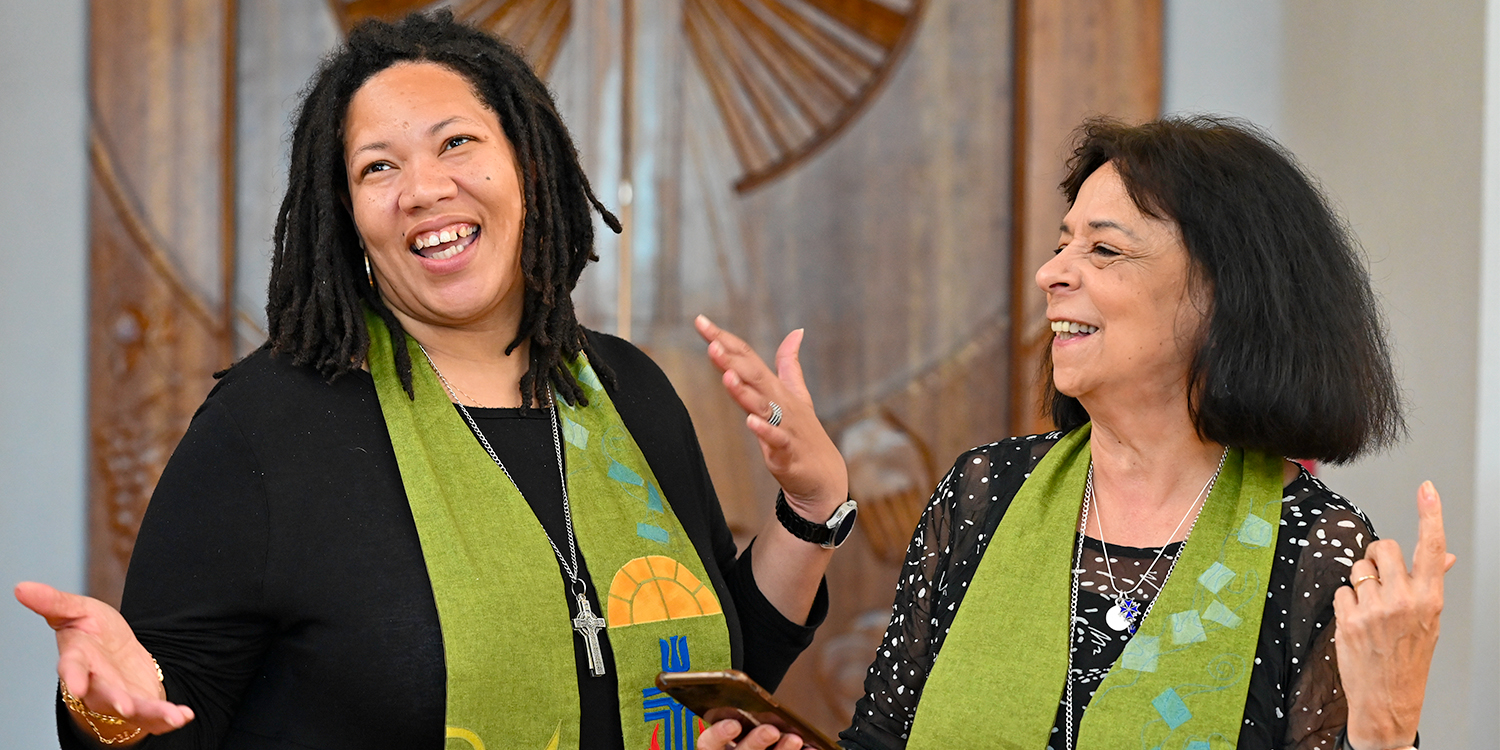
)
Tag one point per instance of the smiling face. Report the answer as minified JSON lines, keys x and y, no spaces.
{"x":436,"y":197}
{"x":1125,"y":326}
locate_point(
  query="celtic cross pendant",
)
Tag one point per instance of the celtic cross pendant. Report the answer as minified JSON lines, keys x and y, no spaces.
{"x":588,"y":626}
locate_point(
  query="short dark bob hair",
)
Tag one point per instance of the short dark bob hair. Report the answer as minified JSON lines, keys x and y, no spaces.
{"x":318,"y":276}
{"x":1294,"y":359}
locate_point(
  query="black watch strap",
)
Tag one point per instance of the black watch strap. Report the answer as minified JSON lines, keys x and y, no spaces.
{"x":829,"y":534}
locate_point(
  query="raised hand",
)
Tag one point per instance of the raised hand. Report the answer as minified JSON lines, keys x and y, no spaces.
{"x":797,"y":451}
{"x":1387,"y":628}
{"x":102,"y":663}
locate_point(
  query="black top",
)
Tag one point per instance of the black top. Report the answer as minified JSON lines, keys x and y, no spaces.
{"x":279,"y":580}
{"x":1294,"y":700}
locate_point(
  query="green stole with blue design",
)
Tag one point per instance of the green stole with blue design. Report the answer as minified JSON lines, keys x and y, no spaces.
{"x":507,"y":629}
{"x":1180,"y":683}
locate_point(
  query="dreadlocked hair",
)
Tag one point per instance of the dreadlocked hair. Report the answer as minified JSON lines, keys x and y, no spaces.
{"x":318,"y":275}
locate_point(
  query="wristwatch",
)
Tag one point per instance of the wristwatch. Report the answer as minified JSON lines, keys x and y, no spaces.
{"x":830,"y":533}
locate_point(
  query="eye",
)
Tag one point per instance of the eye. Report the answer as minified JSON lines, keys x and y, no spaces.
{"x":379,"y":166}
{"x":456,"y":141}
{"x":1106,"y":251}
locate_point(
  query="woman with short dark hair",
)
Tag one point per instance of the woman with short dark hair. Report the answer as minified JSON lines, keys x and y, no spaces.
{"x":434,"y":510}
{"x":1156,"y":573}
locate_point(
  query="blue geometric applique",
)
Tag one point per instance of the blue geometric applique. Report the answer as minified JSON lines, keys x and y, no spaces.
{"x":576,"y":434}
{"x":622,"y":474}
{"x":1216,"y":576}
{"x":653,"y":498}
{"x":1198,"y":745}
{"x":658,"y":706}
{"x":1187,"y":628}
{"x":654,"y":533}
{"x":588,"y":378}
{"x":1172,"y":709}
{"x":1221,"y":614}
{"x":1140,"y":653}
{"x":1256,"y":531}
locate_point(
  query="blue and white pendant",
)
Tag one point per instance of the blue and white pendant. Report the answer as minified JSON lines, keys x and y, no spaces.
{"x":1122,"y":616}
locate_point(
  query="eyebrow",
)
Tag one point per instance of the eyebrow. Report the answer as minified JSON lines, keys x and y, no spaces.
{"x":378,"y":145}
{"x":1102,"y":224}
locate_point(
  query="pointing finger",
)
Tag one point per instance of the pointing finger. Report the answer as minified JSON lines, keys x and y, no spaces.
{"x":1431,"y":556}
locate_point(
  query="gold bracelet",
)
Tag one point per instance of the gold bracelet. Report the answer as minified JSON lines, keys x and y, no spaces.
{"x":75,"y":705}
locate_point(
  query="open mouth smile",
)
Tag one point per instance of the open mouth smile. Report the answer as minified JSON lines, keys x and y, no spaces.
{"x":1066,"y":330}
{"x":446,"y":242}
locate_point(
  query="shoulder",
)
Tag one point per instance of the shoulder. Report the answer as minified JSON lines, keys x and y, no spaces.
{"x":1316,"y":515}
{"x":266,"y":389}
{"x":638,"y":381}
{"x":985,"y":478}
{"x":1322,"y":535}
{"x":1011,"y":456}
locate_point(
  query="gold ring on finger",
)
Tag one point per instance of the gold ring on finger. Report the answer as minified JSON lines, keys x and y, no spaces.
{"x":1364,"y":578}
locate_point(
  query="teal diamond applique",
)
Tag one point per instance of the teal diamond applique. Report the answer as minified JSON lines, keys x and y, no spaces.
{"x":1216,"y":576}
{"x":576,"y":434}
{"x":1221,"y":614}
{"x":1187,"y":628}
{"x":623,"y":474}
{"x":1173,"y":711}
{"x":1256,"y":531}
{"x":1140,"y":653}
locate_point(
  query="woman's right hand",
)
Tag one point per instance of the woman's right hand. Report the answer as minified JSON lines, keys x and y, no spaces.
{"x":720,"y":736}
{"x":102,"y":663}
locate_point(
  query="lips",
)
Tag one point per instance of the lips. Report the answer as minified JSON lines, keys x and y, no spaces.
{"x":446,"y":242}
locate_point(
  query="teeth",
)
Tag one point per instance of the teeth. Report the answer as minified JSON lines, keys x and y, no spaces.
{"x":446,"y":235}
{"x":1072,"y":327}
{"x":449,"y":253}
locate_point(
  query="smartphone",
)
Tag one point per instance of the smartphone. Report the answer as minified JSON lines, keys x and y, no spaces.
{"x":731,"y":694}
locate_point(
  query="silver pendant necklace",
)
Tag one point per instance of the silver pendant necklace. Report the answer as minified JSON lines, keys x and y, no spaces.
{"x":585,"y":623}
{"x":1124,"y":614}
{"x":1127,"y":611}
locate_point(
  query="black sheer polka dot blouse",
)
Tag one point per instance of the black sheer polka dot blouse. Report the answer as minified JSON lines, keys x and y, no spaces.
{"x":1294,"y":699}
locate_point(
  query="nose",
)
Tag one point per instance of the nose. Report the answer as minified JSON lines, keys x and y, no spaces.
{"x":1058,"y":273}
{"x":427,"y":184}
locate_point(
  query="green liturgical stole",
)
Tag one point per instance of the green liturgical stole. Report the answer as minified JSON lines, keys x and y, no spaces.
{"x":507,"y":629}
{"x":1180,"y":683}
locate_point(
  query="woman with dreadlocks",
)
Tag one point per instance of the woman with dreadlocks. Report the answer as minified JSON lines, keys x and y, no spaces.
{"x":433,"y":508}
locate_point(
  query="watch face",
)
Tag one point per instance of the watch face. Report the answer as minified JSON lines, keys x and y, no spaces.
{"x":846,"y":525}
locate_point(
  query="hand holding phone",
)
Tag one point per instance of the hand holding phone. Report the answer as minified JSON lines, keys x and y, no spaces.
{"x":716,"y":696}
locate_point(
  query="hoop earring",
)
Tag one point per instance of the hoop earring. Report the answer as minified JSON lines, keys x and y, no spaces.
{"x":369,"y":275}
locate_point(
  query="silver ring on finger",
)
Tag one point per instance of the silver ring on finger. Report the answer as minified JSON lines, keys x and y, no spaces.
{"x":775,"y":418}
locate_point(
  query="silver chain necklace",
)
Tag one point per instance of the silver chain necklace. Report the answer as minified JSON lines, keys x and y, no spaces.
{"x":586,"y":623}
{"x":1127,"y":609}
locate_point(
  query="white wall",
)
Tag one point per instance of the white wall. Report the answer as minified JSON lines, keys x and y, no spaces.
{"x":1484,"y":701}
{"x":1224,"y":57}
{"x":43,"y":268}
{"x":1383,"y":102}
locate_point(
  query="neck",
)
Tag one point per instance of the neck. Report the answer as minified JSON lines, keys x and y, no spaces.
{"x":1150,"y":466}
{"x":474,"y":361}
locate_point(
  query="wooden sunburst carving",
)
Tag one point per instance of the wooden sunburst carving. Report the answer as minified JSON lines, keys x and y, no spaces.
{"x":786,"y":75}
{"x":538,"y":27}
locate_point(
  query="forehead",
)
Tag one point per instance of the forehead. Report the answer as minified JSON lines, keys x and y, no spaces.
{"x":410,"y":96}
{"x":1104,"y":205}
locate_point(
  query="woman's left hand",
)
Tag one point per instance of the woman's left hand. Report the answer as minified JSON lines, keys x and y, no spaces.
{"x":798,"y":451}
{"x":1387,"y":628}
{"x":720,"y":736}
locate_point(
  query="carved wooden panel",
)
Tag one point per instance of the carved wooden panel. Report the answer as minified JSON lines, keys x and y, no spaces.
{"x":1075,"y":58}
{"x":161,"y":258}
